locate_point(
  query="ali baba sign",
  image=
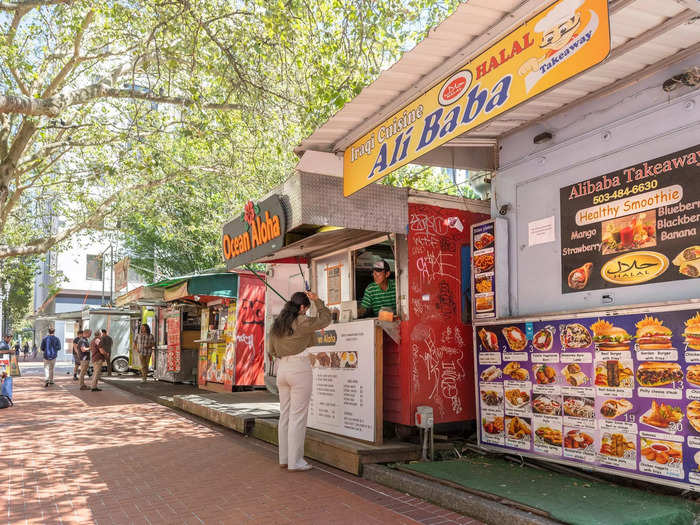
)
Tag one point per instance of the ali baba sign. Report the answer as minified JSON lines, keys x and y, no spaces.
{"x":561,"y":41}
{"x":257,"y":232}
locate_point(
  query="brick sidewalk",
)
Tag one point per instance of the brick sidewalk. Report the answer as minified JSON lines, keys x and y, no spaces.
{"x":71,"y":456}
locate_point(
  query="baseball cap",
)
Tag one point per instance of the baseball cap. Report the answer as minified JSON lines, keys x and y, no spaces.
{"x":381,"y":266}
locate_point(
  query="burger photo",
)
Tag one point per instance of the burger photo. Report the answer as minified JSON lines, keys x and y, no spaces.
{"x":692,"y":332}
{"x":609,"y":337}
{"x":653,"y":335}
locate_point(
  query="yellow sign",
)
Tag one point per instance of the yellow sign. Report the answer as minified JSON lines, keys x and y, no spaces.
{"x":566,"y":38}
{"x":634,"y":267}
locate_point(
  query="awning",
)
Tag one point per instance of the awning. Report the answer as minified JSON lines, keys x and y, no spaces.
{"x":646,"y":36}
{"x":205,"y":286}
{"x":319,"y":244}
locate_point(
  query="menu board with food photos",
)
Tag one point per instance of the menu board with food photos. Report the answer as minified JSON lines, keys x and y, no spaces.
{"x":489,"y":273}
{"x":633,"y":226}
{"x":619,"y":393}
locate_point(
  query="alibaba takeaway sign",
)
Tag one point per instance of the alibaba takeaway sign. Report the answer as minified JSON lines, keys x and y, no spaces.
{"x":257,"y":232}
{"x":559,"y":42}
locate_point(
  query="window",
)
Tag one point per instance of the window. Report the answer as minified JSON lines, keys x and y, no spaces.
{"x":94,"y":268}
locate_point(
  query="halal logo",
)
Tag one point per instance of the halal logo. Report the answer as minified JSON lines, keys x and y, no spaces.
{"x":634,"y":268}
{"x":454,"y":87}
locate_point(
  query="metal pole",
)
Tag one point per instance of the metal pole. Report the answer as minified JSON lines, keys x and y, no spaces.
{"x":111,"y":274}
{"x":265,"y":282}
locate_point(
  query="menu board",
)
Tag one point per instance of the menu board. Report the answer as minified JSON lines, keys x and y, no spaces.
{"x":489,"y":275}
{"x":618,"y":393}
{"x":343,"y":394}
{"x":633,"y":226}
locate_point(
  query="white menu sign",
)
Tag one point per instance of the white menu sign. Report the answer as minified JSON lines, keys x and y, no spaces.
{"x":343,"y":396}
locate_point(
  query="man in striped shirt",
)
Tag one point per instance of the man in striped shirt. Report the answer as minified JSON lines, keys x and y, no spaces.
{"x":380,"y":293}
{"x":145,"y":344}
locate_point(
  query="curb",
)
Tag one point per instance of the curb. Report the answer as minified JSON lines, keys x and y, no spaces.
{"x":494,"y":511}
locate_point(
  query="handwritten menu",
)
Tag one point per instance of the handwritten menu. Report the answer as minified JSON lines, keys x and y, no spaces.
{"x":620,"y":393}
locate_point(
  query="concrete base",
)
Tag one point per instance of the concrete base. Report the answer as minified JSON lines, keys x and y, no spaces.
{"x":484,"y":507}
{"x":235,"y":410}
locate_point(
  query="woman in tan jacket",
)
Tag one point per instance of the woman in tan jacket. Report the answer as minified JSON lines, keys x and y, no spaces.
{"x":291,"y":333}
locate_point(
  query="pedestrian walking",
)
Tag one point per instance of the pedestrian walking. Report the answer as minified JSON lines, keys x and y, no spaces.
{"x":50,"y":346}
{"x":106,"y":343}
{"x":76,"y":354}
{"x":17,"y":349}
{"x":84,"y":357}
{"x":34,"y":351}
{"x":97,"y":355}
{"x":291,"y":333}
{"x":25,"y":350}
{"x":145,"y":344}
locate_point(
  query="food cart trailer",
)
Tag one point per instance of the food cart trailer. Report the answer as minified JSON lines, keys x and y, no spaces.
{"x":585,"y":280}
{"x":365,"y":370}
{"x":207,"y":331}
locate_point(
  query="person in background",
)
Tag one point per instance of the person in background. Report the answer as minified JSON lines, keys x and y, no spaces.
{"x":291,"y":333}
{"x":25,"y":350}
{"x":380,"y":293}
{"x":106,"y":343}
{"x":34,"y":350}
{"x":145,"y":344}
{"x":17,"y":349}
{"x":97,"y":356}
{"x":50,"y":346}
{"x":76,"y":355}
{"x":84,"y":357}
{"x":5,"y":344}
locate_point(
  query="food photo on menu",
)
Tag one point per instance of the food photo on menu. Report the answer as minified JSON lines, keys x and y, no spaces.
{"x":544,"y":374}
{"x":489,"y":340}
{"x":688,"y":262}
{"x":691,"y":334}
{"x":618,"y":445}
{"x":575,"y":336}
{"x":515,"y":337}
{"x":575,"y":375}
{"x":653,"y":335}
{"x":610,"y":338}
{"x":614,"y":408}
{"x":579,"y":439}
{"x":661,"y":452}
{"x":492,"y":373}
{"x":546,"y":435}
{"x":664,"y":416}
{"x":516,"y":372}
{"x":516,"y":398}
{"x":543,"y":339}
{"x":547,"y":405}
{"x":518,"y":428}
{"x":492,"y":425}
{"x":575,"y":406}
{"x":614,"y":373}
{"x":483,"y":240}
{"x":632,"y":232}
{"x":692,"y":412}
{"x":659,"y":373}
{"x":492,"y":398}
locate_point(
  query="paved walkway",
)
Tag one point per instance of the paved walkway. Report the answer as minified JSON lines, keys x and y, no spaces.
{"x":71,"y":456}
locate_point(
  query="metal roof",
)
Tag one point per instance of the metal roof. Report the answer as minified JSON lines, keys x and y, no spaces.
{"x":646,"y":36}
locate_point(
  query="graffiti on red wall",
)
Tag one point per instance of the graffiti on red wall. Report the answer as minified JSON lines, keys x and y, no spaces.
{"x":439,"y":352}
{"x":250,"y":332}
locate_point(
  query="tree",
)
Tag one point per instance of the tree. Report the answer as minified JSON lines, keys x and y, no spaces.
{"x":101,"y":102}
{"x":299,"y":63}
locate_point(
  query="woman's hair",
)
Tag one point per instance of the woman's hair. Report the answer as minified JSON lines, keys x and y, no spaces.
{"x":283,"y":324}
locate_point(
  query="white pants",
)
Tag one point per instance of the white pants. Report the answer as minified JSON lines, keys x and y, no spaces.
{"x":294,"y":385}
{"x":48,"y":369}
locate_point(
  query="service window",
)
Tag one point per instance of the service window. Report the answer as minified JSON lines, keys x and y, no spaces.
{"x":363,"y":261}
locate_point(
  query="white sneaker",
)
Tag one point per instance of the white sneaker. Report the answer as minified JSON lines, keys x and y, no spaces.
{"x":301,"y":468}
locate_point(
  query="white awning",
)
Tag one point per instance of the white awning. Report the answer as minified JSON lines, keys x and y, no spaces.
{"x":647,"y":35}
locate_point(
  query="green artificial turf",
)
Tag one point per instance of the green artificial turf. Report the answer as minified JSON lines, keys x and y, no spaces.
{"x":566,"y":498}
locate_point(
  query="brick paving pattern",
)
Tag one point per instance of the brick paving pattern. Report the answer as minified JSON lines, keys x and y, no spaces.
{"x":110,"y":457}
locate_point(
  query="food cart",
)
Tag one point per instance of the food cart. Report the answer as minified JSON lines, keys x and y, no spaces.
{"x":585,"y":280}
{"x":367,"y":371}
{"x":206,"y":331}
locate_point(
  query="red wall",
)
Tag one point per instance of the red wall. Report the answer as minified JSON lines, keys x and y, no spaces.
{"x":250,"y":332}
{"x":433,"y":365}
